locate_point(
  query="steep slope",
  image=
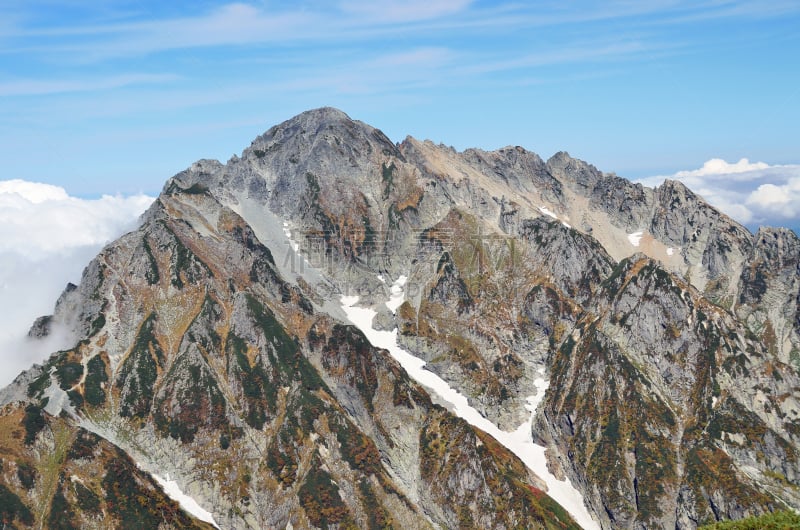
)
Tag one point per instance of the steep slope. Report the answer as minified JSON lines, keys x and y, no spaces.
{"x":769,"y":293}
{"x":58,"y":475}
{"x":668,"y":409}
{"x":200,"y":361}
{"x":213,"y":346}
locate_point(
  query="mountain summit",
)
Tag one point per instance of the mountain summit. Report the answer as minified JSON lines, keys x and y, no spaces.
{"x":333,"y":330}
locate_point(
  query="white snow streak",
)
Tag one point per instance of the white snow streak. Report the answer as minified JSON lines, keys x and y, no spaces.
{"x":547,"y":212}
{"x":287,"y":231}
{"x":397,"y":294}
{"x":188,"y":503}
{"x":519,"y":442}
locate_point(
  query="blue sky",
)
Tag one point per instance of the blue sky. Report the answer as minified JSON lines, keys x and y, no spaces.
{"x":116,"y":99}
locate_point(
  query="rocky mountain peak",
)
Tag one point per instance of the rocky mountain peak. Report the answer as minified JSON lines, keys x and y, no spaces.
{"x":784,"y":240}
{"x":329,"y":132}
{"x":647,"y":343}
{"x":676,"y":187}
{"x":198,"y":177}
{"x":574,"y":172}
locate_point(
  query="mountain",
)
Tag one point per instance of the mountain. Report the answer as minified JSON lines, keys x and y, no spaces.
{"x":597,"y":353}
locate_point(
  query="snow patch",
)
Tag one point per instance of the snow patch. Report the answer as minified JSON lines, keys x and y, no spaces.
{"x":541,"y":385}
{"x":397,"y":295}
{"x":57,"y":399}
{"x":188,"y":503}
{"x":288,"y":233}
{"x":547,"y":212}
{"x":735,"y":437}
{"x":635,"y":238}
{"x":275,"y":233}
{"x":520,"y":442}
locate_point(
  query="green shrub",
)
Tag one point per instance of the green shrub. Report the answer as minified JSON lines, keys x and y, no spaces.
{"x":68,"y":374}
{"x":26,"y":475}
{"x":320,"y":498}
{"x":34,"y":422}
{"x":96,"y":375}
{"x":12,"y":508}
{"x":782,"y":520}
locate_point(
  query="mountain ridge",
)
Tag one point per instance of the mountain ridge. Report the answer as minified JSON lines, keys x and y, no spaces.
{"x":218,"y":323}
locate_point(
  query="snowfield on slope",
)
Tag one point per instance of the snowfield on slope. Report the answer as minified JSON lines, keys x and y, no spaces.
{"x":188,"y":503}
{"x":520,"y":441}
{"x":635,"y":238}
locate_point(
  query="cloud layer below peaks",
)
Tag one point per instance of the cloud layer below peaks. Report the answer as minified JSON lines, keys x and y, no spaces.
{"x":39,"y":219}
{"x":753,"y":193}
{"x":47,"y":237}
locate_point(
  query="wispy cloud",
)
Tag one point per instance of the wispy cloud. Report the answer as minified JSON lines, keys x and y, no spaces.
{"x":36,"y":87}
{"x":419,"y":57}
{"x":575,"y":54}
{"x":228,"y":25}
{"x":402,"y":10}
{"x":239,"y":24}
{"x":684,"y":12}
{"x":151,"y":67}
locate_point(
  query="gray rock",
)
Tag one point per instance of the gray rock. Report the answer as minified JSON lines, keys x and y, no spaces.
{"x":212,"y":345}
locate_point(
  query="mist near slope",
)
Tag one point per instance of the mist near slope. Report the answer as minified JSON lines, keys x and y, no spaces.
{"x":47,"y":238}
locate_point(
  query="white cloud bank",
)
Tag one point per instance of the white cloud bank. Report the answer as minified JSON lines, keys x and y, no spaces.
{"x":717,"y":166}
{"x":47,"y":237}
{"x":753,"y":193}
{"x":37,"y":220}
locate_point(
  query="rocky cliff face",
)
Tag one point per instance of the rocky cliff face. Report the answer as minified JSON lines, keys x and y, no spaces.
{"x":199,"y":361}
{"x":669,"y":409}
{"x":212,"y":346}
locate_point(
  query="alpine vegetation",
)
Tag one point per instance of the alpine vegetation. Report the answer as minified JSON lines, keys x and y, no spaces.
{"x":333,"y":330}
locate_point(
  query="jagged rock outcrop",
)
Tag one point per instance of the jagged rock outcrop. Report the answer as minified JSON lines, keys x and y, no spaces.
{"x":211,"y":344}
{"x":769,"y":293}
{"x":200,"y":361}
{"x":660,"y":410}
